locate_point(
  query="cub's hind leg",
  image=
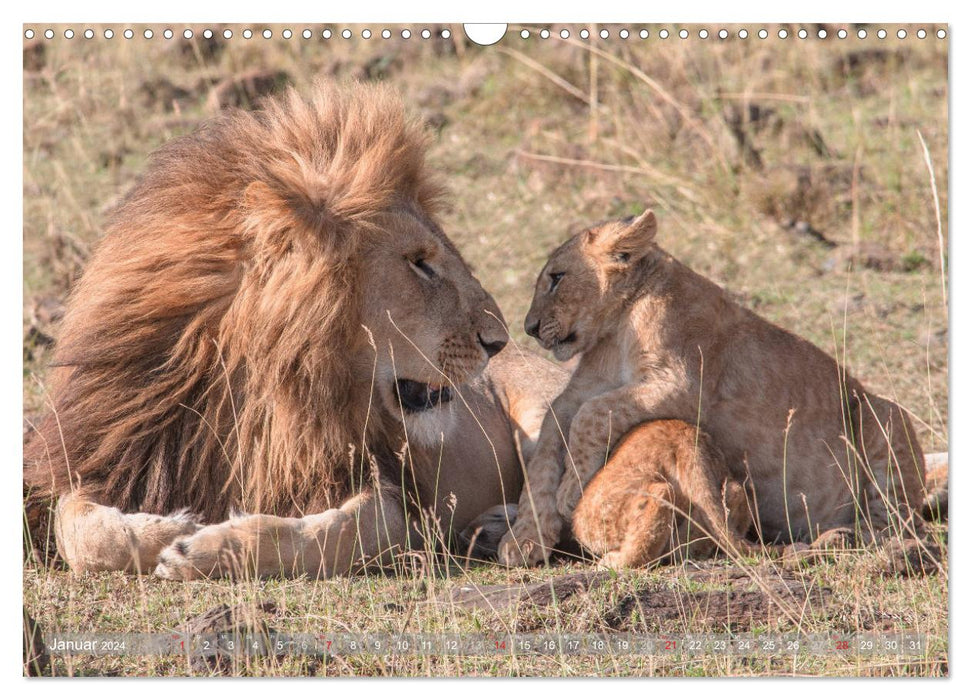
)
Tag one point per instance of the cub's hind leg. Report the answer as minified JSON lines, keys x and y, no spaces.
{"x":713,"y":506}
{"x":92,"y":537}
{"x":648,"y":533}
{"x":625,"y":514}
{"x":665,"y":487}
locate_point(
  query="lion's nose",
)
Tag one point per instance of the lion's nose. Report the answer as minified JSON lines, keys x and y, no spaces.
{"x":492,"y":347}
{"x":532,"y":329}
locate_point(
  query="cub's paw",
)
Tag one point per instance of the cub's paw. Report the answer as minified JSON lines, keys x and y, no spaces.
{"x":212,"y":551}
{"x":614,"y":561}
{"x":513,"y":552}
{"x":567,"y":497}
{"x":521,"y":546}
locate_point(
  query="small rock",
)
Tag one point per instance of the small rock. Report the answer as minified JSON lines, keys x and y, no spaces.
{"x":734,"y":598}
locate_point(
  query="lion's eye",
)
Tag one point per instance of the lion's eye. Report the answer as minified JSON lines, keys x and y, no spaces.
{"x":555,"y":278}
{"x":421,"y":267}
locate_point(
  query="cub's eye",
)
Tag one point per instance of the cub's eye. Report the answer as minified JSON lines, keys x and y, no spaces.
{"x":555,"y":278}
{"x":421,"y":267}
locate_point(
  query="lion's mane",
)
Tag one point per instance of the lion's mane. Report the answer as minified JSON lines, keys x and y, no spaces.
{"x":206,"y":360}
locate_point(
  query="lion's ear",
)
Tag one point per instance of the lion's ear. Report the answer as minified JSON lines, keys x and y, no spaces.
{"x":267,"y":216}
{"x":627,"y":242}
{"x":263,"y":205}
{"x":269,"y":213}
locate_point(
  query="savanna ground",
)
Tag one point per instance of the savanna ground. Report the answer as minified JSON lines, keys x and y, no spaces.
{"x":789,"y":171}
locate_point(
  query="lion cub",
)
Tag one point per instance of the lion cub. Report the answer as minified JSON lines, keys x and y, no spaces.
{"x":665,"y":490}
{"x":658,"y":341}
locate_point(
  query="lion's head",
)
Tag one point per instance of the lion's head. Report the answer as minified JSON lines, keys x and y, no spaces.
{"x":269,"y":301}
{"x":585,"y":280}
{"x":432,"y":323}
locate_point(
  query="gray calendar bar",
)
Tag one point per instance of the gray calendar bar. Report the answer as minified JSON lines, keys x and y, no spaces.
{"x":364,"y":644}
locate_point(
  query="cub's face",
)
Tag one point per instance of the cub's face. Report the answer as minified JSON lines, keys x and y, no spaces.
{"x":583,"y":283}
{"x":433,"y":325}
{"x":568,"y":295}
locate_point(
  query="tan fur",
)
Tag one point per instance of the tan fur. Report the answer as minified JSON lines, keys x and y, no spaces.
{"x":235,"y":342}
{"x":98,"y":538}
{"x":665,"y":490}
{"x":658,"y":341}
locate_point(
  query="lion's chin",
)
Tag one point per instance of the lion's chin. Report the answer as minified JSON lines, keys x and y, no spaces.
{"x":566,"y":347}
{"x":415,"y":397}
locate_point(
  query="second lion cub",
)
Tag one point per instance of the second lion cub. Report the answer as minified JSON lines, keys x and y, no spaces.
{"x":665,"y":490}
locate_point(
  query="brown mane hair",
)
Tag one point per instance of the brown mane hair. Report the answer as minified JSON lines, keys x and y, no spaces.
{"x":205,"y":360}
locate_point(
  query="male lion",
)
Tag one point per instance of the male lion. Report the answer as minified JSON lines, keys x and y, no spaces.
{"x":276,"y":324}
{"x":658,"y":341}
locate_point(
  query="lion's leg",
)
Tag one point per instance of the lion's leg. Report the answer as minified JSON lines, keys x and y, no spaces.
{"x":892,"y":487}
{"x":92,"y":537}
{"x":648,"y":532}
{"x":538,"y":526}
{"x":719,"y":508}
{"x":601,"y":422}
{"x":364,"y":531}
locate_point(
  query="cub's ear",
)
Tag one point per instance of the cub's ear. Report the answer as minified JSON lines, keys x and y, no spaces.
{"x":625,"y":242}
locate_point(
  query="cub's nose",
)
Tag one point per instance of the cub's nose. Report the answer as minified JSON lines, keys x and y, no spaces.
{"x":492,"y":347}
{"x":532,"y":329}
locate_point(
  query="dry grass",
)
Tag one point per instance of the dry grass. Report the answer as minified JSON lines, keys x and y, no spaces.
{"x":744,"y":148}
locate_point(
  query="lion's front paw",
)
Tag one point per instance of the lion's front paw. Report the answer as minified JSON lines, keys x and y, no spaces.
{"x":567,"y":497}
{"x":515,"y":551}
{"x":521,"y":547}
{"x":212,"y":551}
{"x":613,"y":561}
